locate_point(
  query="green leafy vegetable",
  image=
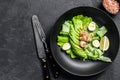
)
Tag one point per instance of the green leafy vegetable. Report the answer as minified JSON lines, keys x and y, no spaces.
{"x":63,"y":39}
{"x":70,"y":52}
{"x":105,"y":59}
{"x":86,"y":21}
{"x":66,"y":26}
{"x":63,"y":33}
{"x":70,"y":33}
{"x":60,"y":44}
{"x":101,"y":32}
{"x":95,"y":38}
{"x":77,"y":24}
{"x":78,"y":51}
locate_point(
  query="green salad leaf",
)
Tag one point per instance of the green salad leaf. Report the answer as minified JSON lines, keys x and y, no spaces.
{"x":101,"y":32}
{"x":105,"y":59}
{"x":70,"y":52}
{"x":70,"y":33}
{"x":66,"y":26}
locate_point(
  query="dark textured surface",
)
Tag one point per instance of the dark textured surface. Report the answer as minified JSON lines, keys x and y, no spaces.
{"x":18,"y":58}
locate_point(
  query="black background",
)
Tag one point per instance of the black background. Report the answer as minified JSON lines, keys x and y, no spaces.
{"x":18,"y":57}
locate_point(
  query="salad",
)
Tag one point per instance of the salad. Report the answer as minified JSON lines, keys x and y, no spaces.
{"x":82,"y":38}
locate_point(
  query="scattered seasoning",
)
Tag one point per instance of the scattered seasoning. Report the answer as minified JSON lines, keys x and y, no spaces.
{"x":112,"y":6}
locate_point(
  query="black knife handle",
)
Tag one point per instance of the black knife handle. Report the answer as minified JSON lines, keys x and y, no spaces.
{"x":46,"y":73}
{"x":55,"y":68}
{"x":53,"y":64}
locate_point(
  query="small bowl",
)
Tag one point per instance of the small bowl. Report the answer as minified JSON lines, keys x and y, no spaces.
{"x":112,"y":6}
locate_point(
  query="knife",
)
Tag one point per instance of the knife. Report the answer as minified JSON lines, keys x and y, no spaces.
{"x":41,"y":45}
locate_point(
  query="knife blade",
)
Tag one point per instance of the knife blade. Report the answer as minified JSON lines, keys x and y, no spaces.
{"x":41,"y":32}
{"x":40,"y":48}
{"x":43,"y":39}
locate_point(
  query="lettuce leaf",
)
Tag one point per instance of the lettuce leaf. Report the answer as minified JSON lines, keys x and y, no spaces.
{"x":66,"y":26}
{"x":102,"y":31}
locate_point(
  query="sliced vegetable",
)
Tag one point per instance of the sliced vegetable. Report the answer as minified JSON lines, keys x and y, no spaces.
{"x":60,"y":44}
{"x":63,"y":39}
{"x":96,"y":43}
{"x":69,"y":51}
{"x":72,"y":55}
{"x":92,"y":55}
{"x":95,"y":31}
{"x":99,"y":52}
{"x":101,"y":32}
{"x":74,"y":39}
{"x":66,"y":26}
{"x":77,"y":23}
{"x":105,"y":59}
{"x":90,"y":48}
{"x":74,"y":35}
{"x":78,"y":51}
{"x":95,"y":38}
{"x":64,"y":33}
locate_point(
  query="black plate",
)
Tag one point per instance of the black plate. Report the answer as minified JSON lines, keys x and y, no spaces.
{"x":78,"y":67}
